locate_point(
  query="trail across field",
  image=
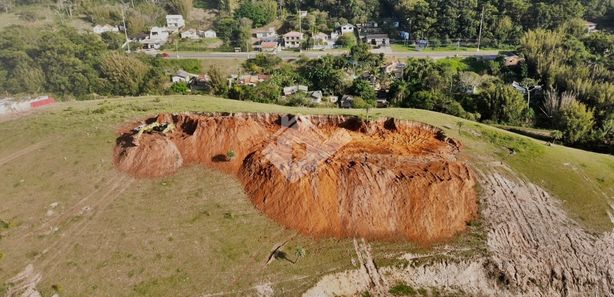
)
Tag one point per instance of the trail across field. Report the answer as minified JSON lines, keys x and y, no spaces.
{"x":22,"y":152}
{"x":90,"y":207}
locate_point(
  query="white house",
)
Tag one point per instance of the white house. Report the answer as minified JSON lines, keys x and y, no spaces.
{"x":209,"y":34}
{"x":99,"y":29}
{"x":347,"y":28}
{"x":291,"y":90}
{"x":182,"y":76}
{"x":158,"y":33}
{"x":190,"y":34}
{"x":316,"y":97}
{"x":293,"y":39}
{"x":261,"y":33}
{"x":322,"y":41}
{"x":158,"y":36}
{"x":175,"y":21}
{"x":152,"y":44}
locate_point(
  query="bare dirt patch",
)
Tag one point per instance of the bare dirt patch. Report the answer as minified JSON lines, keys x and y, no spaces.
{"x":322,"y":175}
{"x":534,"y":249}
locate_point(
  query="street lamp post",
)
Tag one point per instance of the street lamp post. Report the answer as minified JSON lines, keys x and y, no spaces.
{"x":527,"y":88}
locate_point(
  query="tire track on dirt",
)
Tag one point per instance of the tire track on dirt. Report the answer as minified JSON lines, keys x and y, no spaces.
{"x":363,"y":252}
{"x":534,"y":249}
{"x":62,"y":244}
{"x":44,"y":262}
{"x":25,"y":282}
{"x":23,"y":151}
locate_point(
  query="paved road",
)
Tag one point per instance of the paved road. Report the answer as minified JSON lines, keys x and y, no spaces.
{"x":316,"y":54}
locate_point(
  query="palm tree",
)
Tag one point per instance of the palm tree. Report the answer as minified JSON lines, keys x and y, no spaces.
{"x":400,"y":91}
{"x":556,"y":135}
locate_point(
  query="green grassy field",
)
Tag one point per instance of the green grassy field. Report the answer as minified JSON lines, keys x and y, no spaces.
{"x":195,"y":233}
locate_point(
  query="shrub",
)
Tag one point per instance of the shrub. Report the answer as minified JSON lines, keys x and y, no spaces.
{"x":299,"y":99}
{"x":402,"y":289}
{"x":260,"y":12}
{"x":28,"y":16}
{"x":359,"y":102}
{"x":347,"y":40}
{"x":180,"y":88}
{"x":575,"y":121}
{"x":363,"y":89}
{"x":230,"y":155}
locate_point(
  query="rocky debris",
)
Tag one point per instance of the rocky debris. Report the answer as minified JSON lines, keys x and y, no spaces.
{"x":322,"y":175}
{"x":24,"y":284}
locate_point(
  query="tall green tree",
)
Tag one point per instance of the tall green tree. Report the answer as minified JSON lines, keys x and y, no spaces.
{"x":123,"y":74}
{"x":244,"y":34}
{"x":575,"y":120}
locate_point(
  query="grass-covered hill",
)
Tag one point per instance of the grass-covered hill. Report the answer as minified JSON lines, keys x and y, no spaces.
{"x":90,"y":230}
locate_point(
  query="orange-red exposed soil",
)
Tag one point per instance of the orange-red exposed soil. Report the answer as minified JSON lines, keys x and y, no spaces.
{"x":322,"y":175}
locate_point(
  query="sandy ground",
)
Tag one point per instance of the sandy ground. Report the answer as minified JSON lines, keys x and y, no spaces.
{"x":534,"y":249}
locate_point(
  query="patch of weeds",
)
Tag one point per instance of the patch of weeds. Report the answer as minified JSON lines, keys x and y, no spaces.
{"x":4,"y":225}
{"x":402,"y":289}
{"x":393,"y":262}
{"x":199,"y":215}
{"x":229,"y":215}
{"x":4,"y":287}
{"x":102,"y":264}
{"x":69,"y":109}
{"x":102,"y":110}
{"x":156,"y":100}
{"x":601,"y":180}
{"x":56,"y":288}
{"x":1,"y":256}
{"x":365,"y":294}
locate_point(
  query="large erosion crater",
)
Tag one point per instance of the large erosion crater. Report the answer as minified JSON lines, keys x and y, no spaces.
{"x":320,"y":175}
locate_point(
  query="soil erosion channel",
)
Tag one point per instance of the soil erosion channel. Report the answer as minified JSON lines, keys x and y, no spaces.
{"x":320,"y":175}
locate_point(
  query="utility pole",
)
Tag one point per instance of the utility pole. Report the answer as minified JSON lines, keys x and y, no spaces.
{"x":481,"y":25}
{"x":300,"y":21}
{"x":176,"y":48}
{"x":458,"y":37}
{"x":125,"y":28}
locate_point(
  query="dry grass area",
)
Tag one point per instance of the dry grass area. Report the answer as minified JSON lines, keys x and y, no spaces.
{"x":40,"y":15}
{"x":226,"y":66}
{"x":90,"y":231}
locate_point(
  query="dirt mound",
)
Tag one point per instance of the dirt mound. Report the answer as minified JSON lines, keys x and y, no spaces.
{"x":322,"y":175}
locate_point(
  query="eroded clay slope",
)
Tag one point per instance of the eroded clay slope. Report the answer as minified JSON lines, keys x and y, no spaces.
{"x":322,"y":175}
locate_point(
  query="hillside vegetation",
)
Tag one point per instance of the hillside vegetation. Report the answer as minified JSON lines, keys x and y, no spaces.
{"x":151,"y":237}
